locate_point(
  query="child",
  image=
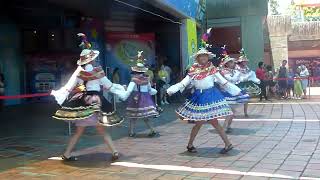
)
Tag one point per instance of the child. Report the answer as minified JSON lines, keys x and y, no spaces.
{"x":140,"y":103}
{"x":297,"y":84}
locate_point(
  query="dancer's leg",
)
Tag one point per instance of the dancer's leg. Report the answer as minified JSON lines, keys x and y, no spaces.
{"x":245,"y":109}
{"x":220,"y":131}
{"x":106,"y":137}
{"x":73,"y":141}
{"x":147,"y":122}
{"x":132,"y":126}
{"x":194,"y":132}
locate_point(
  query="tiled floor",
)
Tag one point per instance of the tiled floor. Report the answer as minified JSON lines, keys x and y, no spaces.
{"x":278,"y":140}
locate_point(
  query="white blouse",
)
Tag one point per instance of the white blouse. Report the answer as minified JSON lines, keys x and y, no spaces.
{"x":205,"y":83}
{"x":93,"y":85}
{"x":143,"y":88}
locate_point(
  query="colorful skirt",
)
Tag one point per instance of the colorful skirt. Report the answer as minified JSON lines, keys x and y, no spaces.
{"x":204,"y":105}
{"x":238,"y":99}
{"x":250,"y":87}
{"x":88,"y":109}
{"x":141,"y":105}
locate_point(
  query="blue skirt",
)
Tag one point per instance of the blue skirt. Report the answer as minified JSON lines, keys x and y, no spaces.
{"x":239,"y":99}
{"x":204,"y":105}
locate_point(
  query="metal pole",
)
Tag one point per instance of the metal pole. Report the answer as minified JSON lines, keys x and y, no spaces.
{"x":309,"y":88}
{"x":69,"y":128}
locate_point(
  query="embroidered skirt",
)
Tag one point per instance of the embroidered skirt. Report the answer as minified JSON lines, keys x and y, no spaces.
{"x":239,"y":99}
{"x":204,"y":105}
{"x":250,"y":87}
{"x":88,"y":109}
{"x":141,"y":105}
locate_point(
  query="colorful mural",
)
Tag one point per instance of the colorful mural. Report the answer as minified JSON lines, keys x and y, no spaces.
{"x":122,"y":48}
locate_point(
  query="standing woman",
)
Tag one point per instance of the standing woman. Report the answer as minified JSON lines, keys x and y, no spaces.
{"x":83,"y":104}
{"x":248,"y":80}
{"x":304,"y":74}
{"x":206,"y":104}
{"x":232,"y":75}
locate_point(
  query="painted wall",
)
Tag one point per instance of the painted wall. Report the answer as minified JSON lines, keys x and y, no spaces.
{"x":10,"y":59}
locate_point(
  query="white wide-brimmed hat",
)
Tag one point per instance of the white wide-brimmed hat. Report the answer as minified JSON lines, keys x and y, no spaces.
{"x":243,"y":56}
{"x":203,"y":51}
{"x":87,"y":55}
{"x":227,"y":59}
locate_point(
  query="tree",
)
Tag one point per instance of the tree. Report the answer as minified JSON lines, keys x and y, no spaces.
{"x":274,"y":5}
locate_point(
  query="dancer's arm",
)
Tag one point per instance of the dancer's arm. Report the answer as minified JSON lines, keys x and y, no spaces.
{"x":179,"y":86}
{"x":116,"y":89}
{"x":235,"y":78}
{"x":229,"y":87}
{"x":62,"y":94}
{"x":126,"y":93}
{"x":152,"y":91}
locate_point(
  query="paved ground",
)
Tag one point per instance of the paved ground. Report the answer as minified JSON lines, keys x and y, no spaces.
{"x":279,"y":140}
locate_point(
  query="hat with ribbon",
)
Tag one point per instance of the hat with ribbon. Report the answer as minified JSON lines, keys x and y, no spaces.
{"x":226,"y":58}
{"x":243,"y":56}
{"x":87,"y":55}
{"x":140,"y":67}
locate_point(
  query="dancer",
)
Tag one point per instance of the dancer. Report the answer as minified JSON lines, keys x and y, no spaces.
{"x":248,"y":81}
{"x":232,"y":75}
{"x":206,"y":103}
{"x":84,"y":104}
{"x":140,"y":103}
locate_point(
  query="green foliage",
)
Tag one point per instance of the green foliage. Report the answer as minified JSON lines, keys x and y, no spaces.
{"x":274,"y":5}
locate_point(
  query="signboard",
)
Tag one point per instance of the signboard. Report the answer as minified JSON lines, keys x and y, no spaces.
{"x":122,"y":49}
{"x":192,"y":39}
{"x":191,"y":8}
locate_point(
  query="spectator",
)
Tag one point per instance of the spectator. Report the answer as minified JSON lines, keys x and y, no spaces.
{"x":297,"y":84}
{"x":261,"y":74}
{"x":1,"y":90}
{"x":283,"y":82}
{"x":270,"y":83}
{"x":290,"y":83}
{"x":305,"y":75}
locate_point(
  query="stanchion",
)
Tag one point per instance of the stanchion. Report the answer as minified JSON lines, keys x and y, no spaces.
{"x":69,"y":128}
{"x":309,"y":88}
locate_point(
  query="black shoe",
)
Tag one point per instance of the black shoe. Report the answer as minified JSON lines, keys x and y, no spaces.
{"x":225,"y":150}
{"x":132,"y":135}
{"x":191,"y":149}
{"x":71,"y":158}
{"x":115,"y":156}
{"x":152,"y":134}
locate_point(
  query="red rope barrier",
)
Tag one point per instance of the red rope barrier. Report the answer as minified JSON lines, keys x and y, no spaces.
{"x":25,"y":96}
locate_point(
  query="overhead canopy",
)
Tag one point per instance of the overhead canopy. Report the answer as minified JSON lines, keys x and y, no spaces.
{"x":235,"y":8}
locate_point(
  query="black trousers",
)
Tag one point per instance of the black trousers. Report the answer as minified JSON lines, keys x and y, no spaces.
{"x":262,"y":86}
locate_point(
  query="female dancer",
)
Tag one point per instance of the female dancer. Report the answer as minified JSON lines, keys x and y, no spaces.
{"x":206,"y":102}
{"x":140,"y":92}
{"x":233,"y":76}
{"x":83,"y":104}
{"x":248,"y":79}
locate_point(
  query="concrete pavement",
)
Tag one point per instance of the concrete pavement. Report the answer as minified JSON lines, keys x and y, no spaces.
{"x":278,"y":140}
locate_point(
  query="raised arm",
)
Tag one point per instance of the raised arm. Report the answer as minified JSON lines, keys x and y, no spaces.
{"x":179,"y":86}
{"x":229,"y":87}
{"x":62,"y":94}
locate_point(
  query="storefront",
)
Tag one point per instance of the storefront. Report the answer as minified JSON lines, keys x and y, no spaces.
{"x":44,"y":46}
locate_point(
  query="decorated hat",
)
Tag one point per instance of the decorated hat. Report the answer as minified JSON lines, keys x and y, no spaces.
{"x":140,"y":67}
{"x":87,"y":55}
{"x":243,"y":56}
{"x":226,"y":58}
